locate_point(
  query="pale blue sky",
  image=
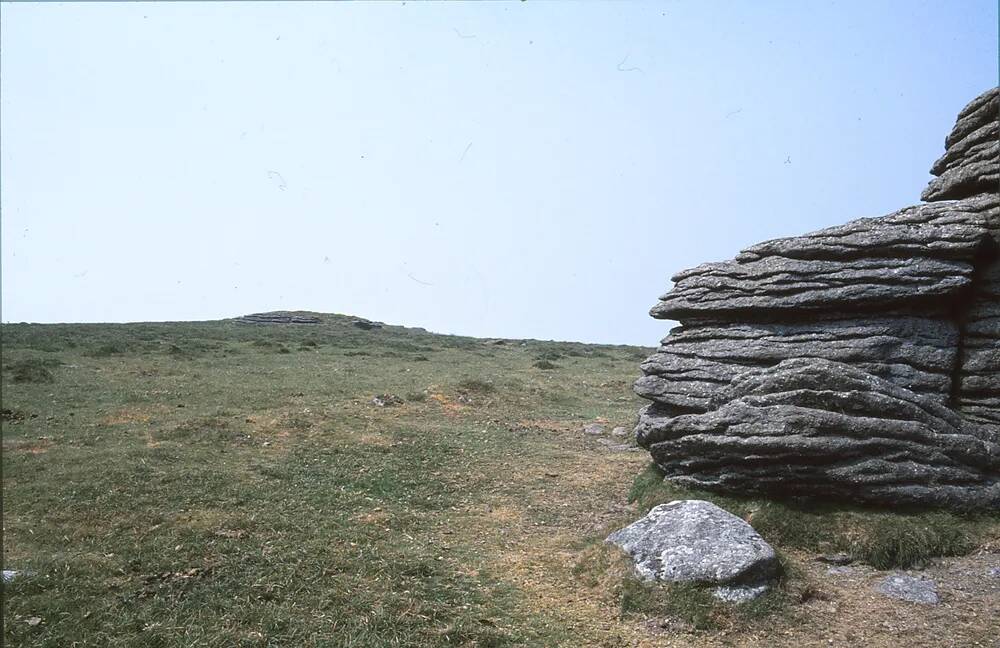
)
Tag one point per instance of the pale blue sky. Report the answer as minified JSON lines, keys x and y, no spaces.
{"x":493,"y":169}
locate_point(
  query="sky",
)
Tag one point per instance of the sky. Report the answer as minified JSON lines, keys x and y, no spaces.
{"x":497,"y":169}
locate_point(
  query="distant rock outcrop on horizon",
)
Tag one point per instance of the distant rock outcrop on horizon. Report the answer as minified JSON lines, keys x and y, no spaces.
{"x":859,"y":362}
{"x":277,"y":317}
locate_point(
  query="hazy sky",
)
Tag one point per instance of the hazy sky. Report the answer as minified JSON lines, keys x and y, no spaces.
{"x":520,"y":169}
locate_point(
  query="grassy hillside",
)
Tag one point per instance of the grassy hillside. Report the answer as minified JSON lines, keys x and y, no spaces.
{"x":226,"y":484}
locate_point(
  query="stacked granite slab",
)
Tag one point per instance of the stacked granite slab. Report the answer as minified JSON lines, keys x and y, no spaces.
{"x":279,"y":317}
{"x":860,"y":362}
{"x":970,"y":167}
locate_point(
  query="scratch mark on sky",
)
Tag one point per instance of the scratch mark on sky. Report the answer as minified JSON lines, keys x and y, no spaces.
{"x":627,"y":69}
{"x":418,"y":281}
{"x":277,"y":177}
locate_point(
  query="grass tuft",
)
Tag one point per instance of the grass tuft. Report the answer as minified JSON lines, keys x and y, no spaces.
{"x":33,"y":370}
{"x":177,"y":351}
{"x":107,"y":350}
{"x":476,"y":386}
{"x":905,"y":541}
{"x":687,"y":602}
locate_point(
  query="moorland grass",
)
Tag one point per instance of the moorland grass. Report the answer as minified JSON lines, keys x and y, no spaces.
{"x":191,"y":484}
{"x":226,"y":484}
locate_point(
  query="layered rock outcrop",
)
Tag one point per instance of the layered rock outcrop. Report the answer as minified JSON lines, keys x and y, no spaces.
{"x":860,"y":361}
{"x":277,"y":318}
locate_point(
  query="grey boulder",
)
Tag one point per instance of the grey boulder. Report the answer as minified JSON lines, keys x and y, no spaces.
{"x":694,"y":541}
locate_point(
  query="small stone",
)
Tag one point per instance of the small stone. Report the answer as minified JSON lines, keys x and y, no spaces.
{"x":593,"y":429}
{"x":909,"y":588}
{"x":618,"y":447}
{"x":839,"y":570}
{"x":619,"y":432}
{"x":386,"y":400}
{"x":9,"y":575}
{"x":739,"y":594}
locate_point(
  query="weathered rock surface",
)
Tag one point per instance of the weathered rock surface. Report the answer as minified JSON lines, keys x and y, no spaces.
{"x":910,"y":259}
{"x":971,"y":163}
{"x":697,"y":542}
{"x":827,"y":429}
{"x":860,"y":362}
{"x":909,"y":588}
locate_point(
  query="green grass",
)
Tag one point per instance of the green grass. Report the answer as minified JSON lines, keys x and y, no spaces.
{"x":689,"y":603}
